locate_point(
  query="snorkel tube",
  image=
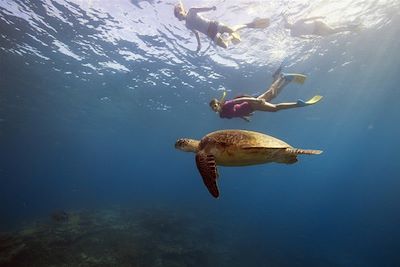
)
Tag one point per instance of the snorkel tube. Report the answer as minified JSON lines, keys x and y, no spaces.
{"x":222,"y":99}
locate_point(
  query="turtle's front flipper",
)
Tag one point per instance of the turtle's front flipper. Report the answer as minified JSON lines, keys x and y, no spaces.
{"x":208,"y":170}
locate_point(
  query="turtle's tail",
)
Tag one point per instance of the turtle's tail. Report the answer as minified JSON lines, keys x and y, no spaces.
{"x":298,"y":151}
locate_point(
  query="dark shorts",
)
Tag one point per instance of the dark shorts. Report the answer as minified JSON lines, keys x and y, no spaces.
{"x":213,"y":29}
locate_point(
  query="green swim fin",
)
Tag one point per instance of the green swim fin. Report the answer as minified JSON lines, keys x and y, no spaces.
{"x":258,"y":23}
{"x":299,"y":78}
{"x":314,"y":100}
{"x":235,"y":37}
{"x":295,"y":77}
{"x":309,"y":102}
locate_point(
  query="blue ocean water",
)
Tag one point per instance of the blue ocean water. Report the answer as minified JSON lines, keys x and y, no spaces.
{"x":94,"y":94}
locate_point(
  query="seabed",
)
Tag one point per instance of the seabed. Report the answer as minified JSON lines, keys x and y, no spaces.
{"x":113,"y":237}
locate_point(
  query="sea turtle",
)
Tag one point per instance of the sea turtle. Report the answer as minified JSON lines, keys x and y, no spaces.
{"x":237,"y":148}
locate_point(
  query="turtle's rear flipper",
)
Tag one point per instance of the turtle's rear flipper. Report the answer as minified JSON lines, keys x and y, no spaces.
{"x":208,"y":170}
{"x":299,"y":151}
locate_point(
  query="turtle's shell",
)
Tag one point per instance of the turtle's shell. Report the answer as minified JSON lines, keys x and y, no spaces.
{"x":240,"y":147}
{"x":242,"y":138}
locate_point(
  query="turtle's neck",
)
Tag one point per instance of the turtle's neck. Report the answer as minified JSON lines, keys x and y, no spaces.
{"x":192,"y":145}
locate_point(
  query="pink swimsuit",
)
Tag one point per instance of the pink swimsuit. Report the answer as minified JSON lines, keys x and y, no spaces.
{"x":231,"y":110}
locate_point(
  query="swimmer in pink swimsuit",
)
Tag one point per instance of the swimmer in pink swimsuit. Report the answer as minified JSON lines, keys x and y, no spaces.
{"x":213,"y":29}
{"x":244,"y":106}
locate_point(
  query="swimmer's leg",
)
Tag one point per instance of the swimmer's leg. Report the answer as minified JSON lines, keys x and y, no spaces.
{"x":323,"y":29}
{"x":274,"y":89}
{"x":348,"y":28}
{"x":281,"y":80}
{"x":266,"y":106}
{"x":222,"y":28}
{"x":233,"y":37}
{"x":258,"y":23}
{"x":220,"y":41}
{"x":277,"y":73}
{"x":233,"y":33}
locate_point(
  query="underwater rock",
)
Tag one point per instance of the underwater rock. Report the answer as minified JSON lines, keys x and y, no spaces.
{"x":59,"y":216}
{"x":10,"y":247}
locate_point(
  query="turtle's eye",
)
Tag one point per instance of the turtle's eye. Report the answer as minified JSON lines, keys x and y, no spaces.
{"x":180,"y":143}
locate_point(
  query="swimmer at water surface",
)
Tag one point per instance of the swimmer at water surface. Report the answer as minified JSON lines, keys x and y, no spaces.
{"x":315,"y":26}
{"x":219,"y":33}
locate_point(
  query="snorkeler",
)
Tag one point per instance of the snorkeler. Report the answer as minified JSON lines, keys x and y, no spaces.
{"x":213,"y":29}
{"x":244,"y":106}
{"x":314,"y":26}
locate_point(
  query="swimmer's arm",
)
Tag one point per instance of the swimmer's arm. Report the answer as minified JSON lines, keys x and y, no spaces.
{"x":198,"y":41}
{"x":203,"y":9}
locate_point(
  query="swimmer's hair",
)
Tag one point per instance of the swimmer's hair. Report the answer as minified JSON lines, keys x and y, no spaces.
{"x":213,"y":101}
{"x":177,"y":8}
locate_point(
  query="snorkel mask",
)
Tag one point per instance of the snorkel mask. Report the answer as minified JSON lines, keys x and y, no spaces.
{"x":216,"y":104}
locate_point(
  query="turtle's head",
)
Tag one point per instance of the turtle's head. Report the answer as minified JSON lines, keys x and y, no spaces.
{"x":187,"y":145}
